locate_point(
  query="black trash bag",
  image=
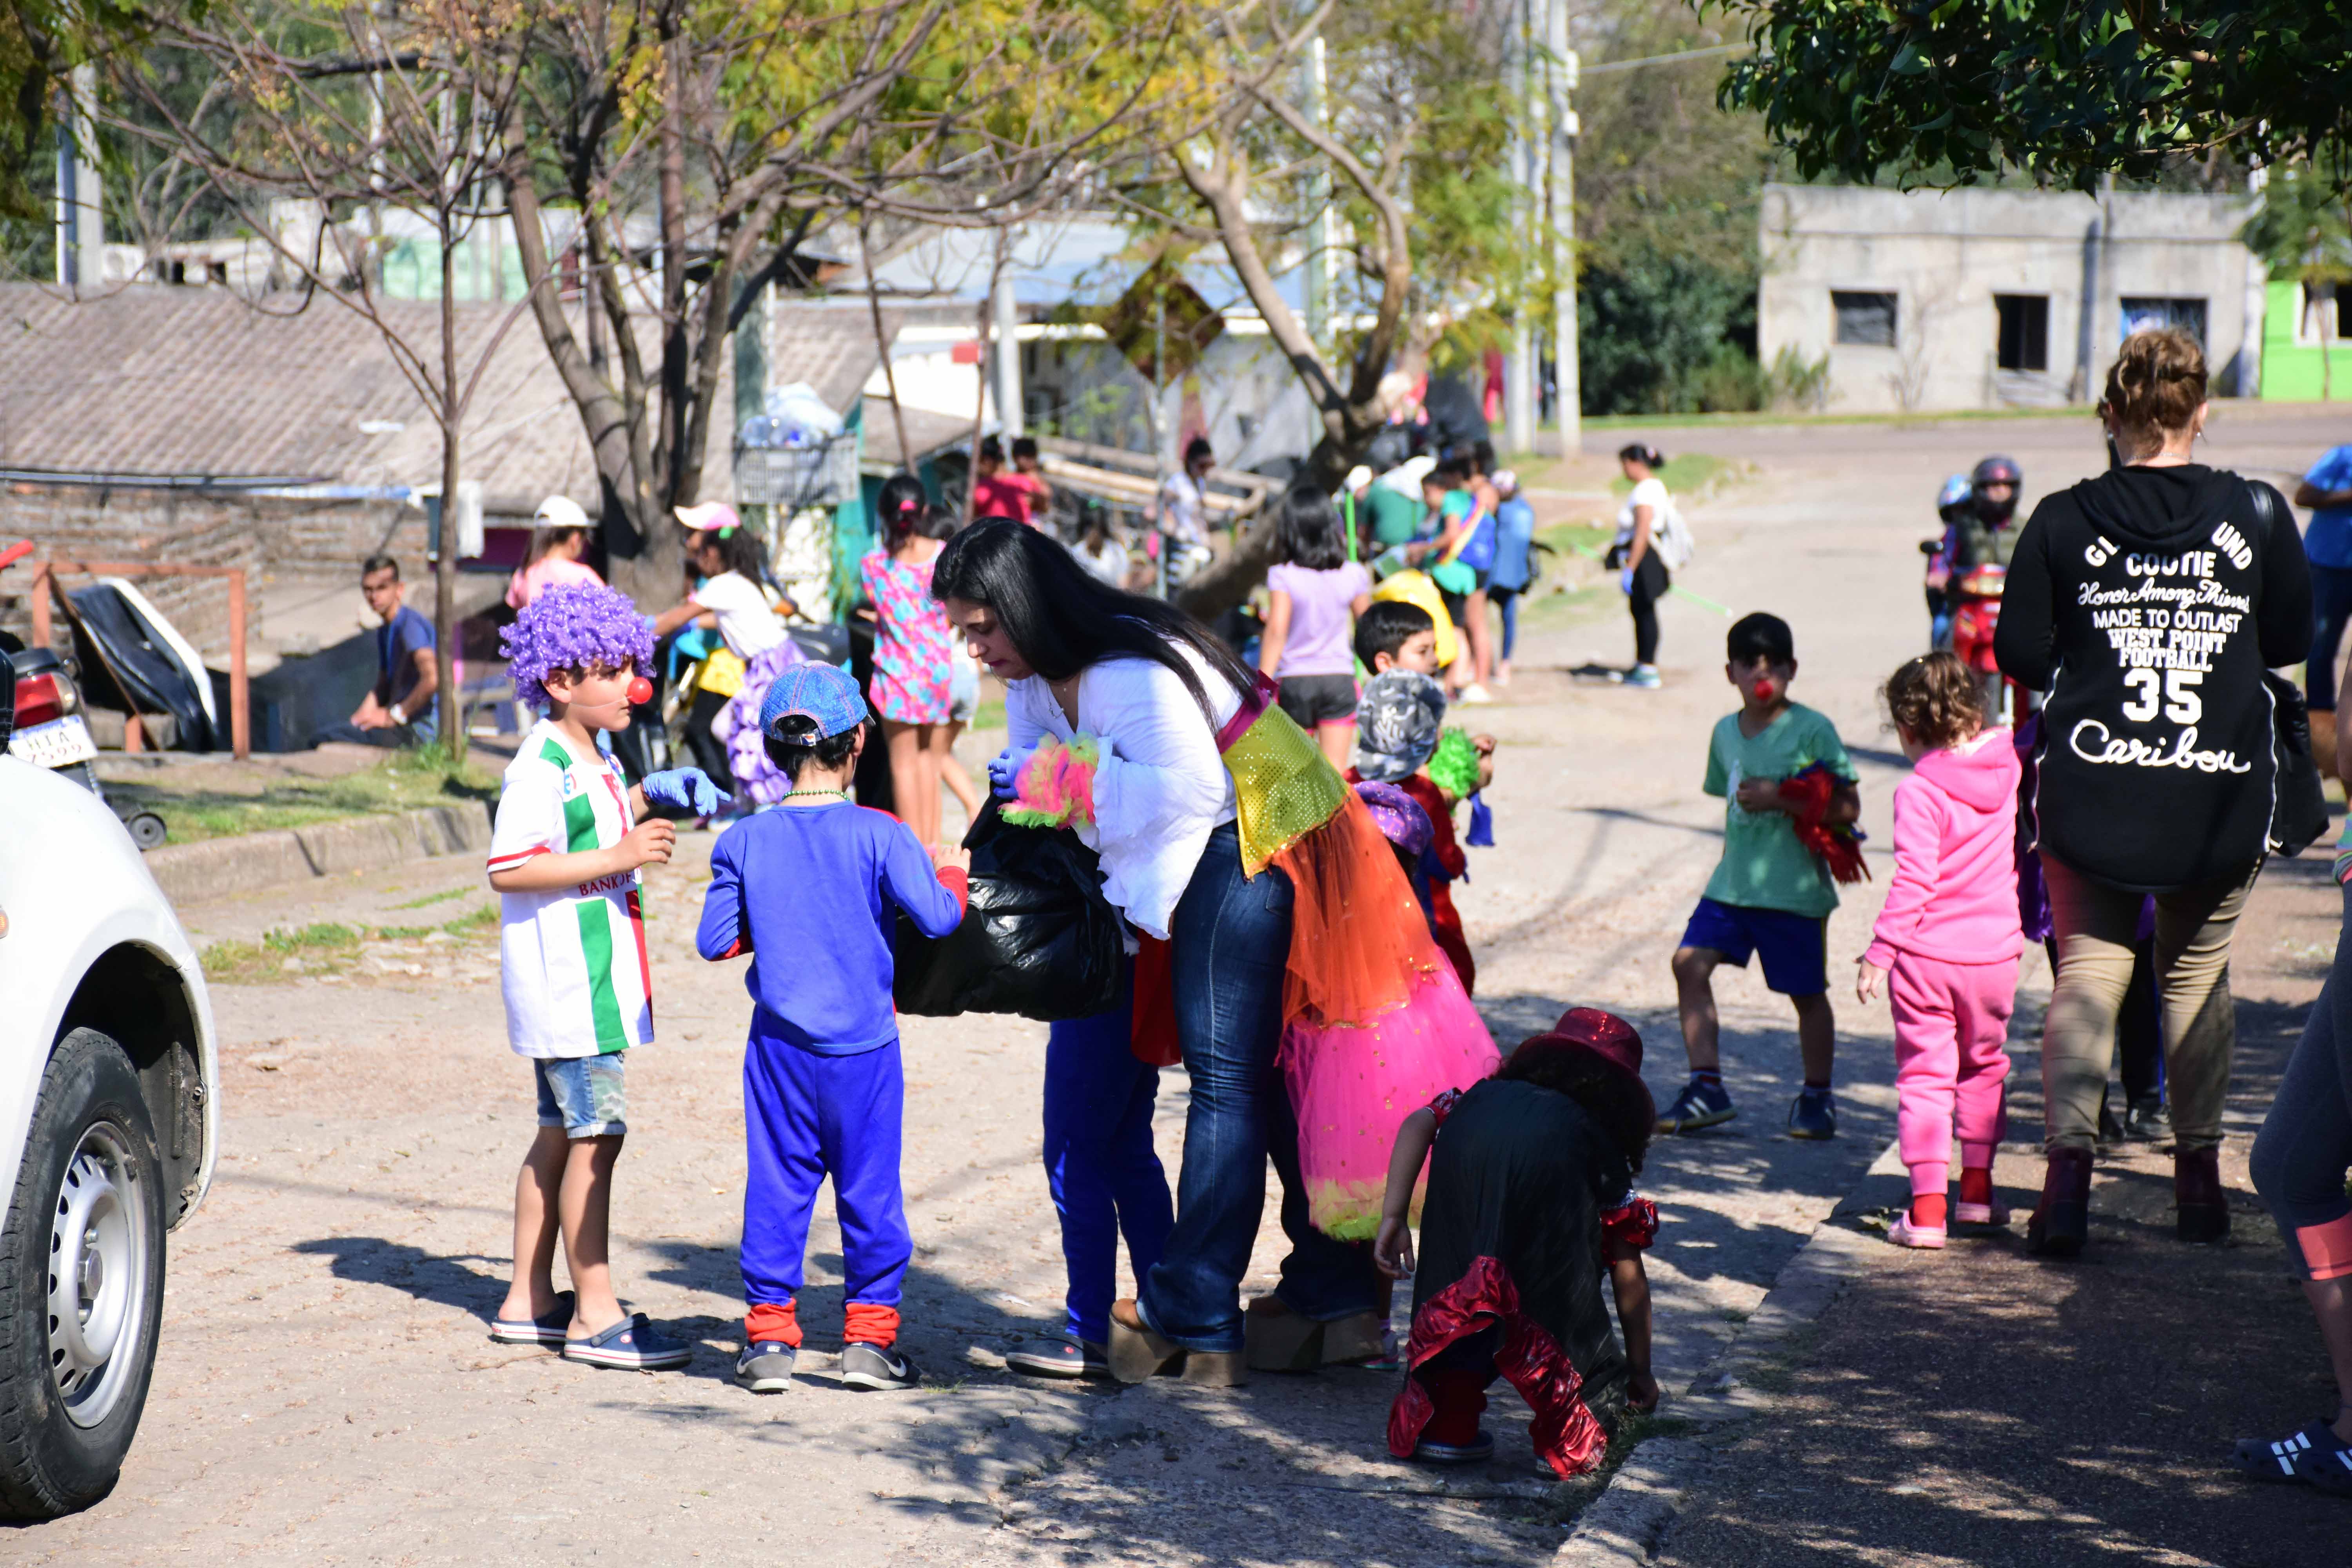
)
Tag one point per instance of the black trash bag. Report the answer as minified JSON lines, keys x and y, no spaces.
{"x":1038,"y":940}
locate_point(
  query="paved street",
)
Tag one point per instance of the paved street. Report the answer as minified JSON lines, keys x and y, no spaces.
{"x":326,"y":1393}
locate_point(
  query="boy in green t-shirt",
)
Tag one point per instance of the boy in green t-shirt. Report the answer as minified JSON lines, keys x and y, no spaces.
{"x":1770,"y":896}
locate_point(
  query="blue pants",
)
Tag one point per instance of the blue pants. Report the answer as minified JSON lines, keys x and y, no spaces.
{"x":1233,"y":943}
{"x":1100,"y":1163}
{"x":2331,"y":608}
{"x":805,"y":1117}
{"x":1507,"y":601}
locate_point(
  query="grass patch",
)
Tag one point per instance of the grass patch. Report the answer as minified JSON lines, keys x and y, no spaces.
{"x":404,"y":781}
{"x":1674,"y":421}
{"x":442,"y":897}
{"x":1683,"y":475}
{"x":322,"y":948}
{"x":988,"y":715}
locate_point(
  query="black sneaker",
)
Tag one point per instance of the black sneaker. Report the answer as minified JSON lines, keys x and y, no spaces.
{"x":1698,"y":1105}
{"x":876,"y":1366}
{"x":1812,"y":1114}
{"x":765,"y":1367}
{"x":2110,"y":1130}
{"x":1477,"y":1451}
{"x":2148,"y":1121}
{"x":1062,"y":1356}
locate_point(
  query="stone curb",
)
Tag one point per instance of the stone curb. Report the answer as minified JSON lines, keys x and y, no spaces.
{"x":220,"y":867}
{"x":1626,"y":1524}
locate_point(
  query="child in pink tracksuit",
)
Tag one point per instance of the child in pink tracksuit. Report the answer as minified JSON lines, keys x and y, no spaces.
{"x":1948,"y":940}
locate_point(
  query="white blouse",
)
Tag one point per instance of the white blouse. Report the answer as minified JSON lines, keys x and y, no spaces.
{"x":1162,"y":785}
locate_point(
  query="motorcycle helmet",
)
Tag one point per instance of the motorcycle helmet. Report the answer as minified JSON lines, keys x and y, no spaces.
{"x":1954,"y":498}
{"x":1996,"y":471}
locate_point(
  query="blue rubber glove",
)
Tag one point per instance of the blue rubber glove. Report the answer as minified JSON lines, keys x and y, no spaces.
{"x":1625,"y":582}
{"x":685,"y":789}
{"x":1004,"y":766}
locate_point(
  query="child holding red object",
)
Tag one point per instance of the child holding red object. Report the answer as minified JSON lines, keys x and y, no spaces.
{"x":1529,"y":1203}
{"x":1947,"y":942}
{"x":812,"y":889}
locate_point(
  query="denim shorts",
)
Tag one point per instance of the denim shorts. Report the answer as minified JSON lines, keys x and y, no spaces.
{"x":1794,"y":948}
{"x":963,"y":689}
{"x":586,"y":1096}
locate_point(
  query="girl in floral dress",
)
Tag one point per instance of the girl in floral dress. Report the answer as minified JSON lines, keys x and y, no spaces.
{"x":913,"y":654}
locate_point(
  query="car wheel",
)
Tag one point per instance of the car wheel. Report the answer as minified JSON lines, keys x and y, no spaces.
{"x":82,"y":1283}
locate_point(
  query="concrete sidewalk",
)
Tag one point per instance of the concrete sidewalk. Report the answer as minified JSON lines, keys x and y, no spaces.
{"x":1979,"y":1407}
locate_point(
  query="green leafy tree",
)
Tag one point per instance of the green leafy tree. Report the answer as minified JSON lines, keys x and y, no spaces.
{"x":1952,"y":91}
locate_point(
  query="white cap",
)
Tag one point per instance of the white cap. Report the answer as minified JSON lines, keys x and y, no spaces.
{"x":1358,"y":478}
{"x":1504,"y":480}
{"x":559,"y":512}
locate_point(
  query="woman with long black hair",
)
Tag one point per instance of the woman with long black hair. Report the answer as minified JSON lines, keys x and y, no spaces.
{"x":1125,"y":709}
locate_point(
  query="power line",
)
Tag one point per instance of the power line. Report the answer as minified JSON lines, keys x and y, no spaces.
{"x":1708,"y":53}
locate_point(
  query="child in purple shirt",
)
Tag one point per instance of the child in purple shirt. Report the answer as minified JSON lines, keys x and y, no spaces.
{"x":1315,"y":593}
{"x":824,"y":1088}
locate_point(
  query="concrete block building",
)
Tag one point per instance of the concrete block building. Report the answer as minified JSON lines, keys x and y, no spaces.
{"x":1987,"y":298}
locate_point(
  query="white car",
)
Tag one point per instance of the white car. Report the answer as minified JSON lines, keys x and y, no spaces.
{"x":110,"y":1116}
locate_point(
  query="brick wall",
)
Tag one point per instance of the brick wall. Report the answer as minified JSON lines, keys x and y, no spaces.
{"x":267,"y":536}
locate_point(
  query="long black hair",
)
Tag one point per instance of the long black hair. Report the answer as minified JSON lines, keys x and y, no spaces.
{"x":1063,"y":619}
{"x":900,"y":507}
{"x":1614,"y":1100}
{"x":1307,"y":534}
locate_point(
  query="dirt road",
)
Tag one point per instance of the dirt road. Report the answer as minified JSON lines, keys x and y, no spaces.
{"x":326,"y":1393}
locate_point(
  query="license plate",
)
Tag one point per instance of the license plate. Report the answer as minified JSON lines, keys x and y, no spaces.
{"x":59,"y":743}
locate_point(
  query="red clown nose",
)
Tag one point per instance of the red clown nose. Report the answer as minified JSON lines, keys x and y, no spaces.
{"x":640,"y":692}
{"x":1765,"y":691}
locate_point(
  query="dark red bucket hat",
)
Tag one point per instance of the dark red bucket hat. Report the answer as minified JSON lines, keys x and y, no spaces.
{"x":1588,"y":1031}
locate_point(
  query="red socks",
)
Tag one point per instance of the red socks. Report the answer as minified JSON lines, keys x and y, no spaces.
{"x":1928,"y":1209}
{"x":1976,"y":1184}
{"x":773,"y":1322}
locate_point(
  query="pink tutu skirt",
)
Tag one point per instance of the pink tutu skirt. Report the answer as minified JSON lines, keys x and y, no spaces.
{"x":1353,"y":1086}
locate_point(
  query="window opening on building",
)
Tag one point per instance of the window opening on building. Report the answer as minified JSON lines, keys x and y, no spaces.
{"x":2142,"y":315}
{"x":2024,"y":336}
{"x":1864,"y":319}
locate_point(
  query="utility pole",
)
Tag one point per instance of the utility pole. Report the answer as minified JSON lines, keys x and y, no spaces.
{"x":1007,"y":313}
{"x":81,"y":225}
{"x":1559,"y":72}
{"x":1519,"y":365}
{"x":1318,"y":201}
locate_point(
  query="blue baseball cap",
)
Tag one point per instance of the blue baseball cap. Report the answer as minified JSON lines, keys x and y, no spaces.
{"x":824,"y":693}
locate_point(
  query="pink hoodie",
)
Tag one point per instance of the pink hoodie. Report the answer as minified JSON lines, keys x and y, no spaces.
{"x":1954,"y":896}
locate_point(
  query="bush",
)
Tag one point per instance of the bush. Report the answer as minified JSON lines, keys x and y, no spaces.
{"x":1666,"y":333}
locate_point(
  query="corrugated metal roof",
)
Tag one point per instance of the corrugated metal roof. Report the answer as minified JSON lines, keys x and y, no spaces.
{"x":172,"y":381}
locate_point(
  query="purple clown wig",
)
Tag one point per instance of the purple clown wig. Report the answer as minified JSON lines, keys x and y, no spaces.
{"x":573,"y":629}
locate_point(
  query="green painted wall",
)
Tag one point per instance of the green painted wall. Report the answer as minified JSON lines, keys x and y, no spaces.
{"x":2290,"y":370}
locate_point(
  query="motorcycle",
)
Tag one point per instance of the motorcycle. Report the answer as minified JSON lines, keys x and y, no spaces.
{"x":1976,"y":616}
{"x":48,"y":730}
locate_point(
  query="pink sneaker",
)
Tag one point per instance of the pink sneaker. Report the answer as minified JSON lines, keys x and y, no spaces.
{"x":1902,"y":1233}
{"x":1980,"y":1214}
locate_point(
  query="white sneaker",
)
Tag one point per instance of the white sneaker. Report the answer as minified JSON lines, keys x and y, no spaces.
{"x":1645,"y":676}
{"x":1474,"y":694}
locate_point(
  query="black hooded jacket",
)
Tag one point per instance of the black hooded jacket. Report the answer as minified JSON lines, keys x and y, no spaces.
{"x":2146,"y":602}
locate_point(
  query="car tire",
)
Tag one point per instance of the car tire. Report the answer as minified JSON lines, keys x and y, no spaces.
{"x":82,"y":1283}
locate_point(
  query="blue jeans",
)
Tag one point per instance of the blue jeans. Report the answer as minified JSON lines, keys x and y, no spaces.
{"x":2331,"y":608}
{"x":807,"y":1116}
{"x":1100,"y":1163}
{"x":1507,"y":601}
{"x":1233,"y":944}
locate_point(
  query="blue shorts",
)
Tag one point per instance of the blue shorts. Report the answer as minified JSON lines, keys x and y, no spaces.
{"x":586,"y":1096}
{"x":1794,"y":948}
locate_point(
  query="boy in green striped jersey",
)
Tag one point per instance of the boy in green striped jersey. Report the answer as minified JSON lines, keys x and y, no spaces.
{"x":564,"y":858}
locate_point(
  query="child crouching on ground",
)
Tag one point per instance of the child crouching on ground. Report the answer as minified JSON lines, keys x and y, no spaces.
{"x":1948,"y":941}
{"x":812,"y":889}
{"x":565,"y":855}
{"x":1530,"y":1201}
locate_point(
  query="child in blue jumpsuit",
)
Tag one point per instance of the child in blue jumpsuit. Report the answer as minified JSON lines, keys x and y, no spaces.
{"x":812,"y":890}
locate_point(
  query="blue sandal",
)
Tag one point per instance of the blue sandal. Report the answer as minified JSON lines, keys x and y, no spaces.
{"x":547,"y":1329}
{"x":2312,"y":1455}
{"x":629,"y":1345}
